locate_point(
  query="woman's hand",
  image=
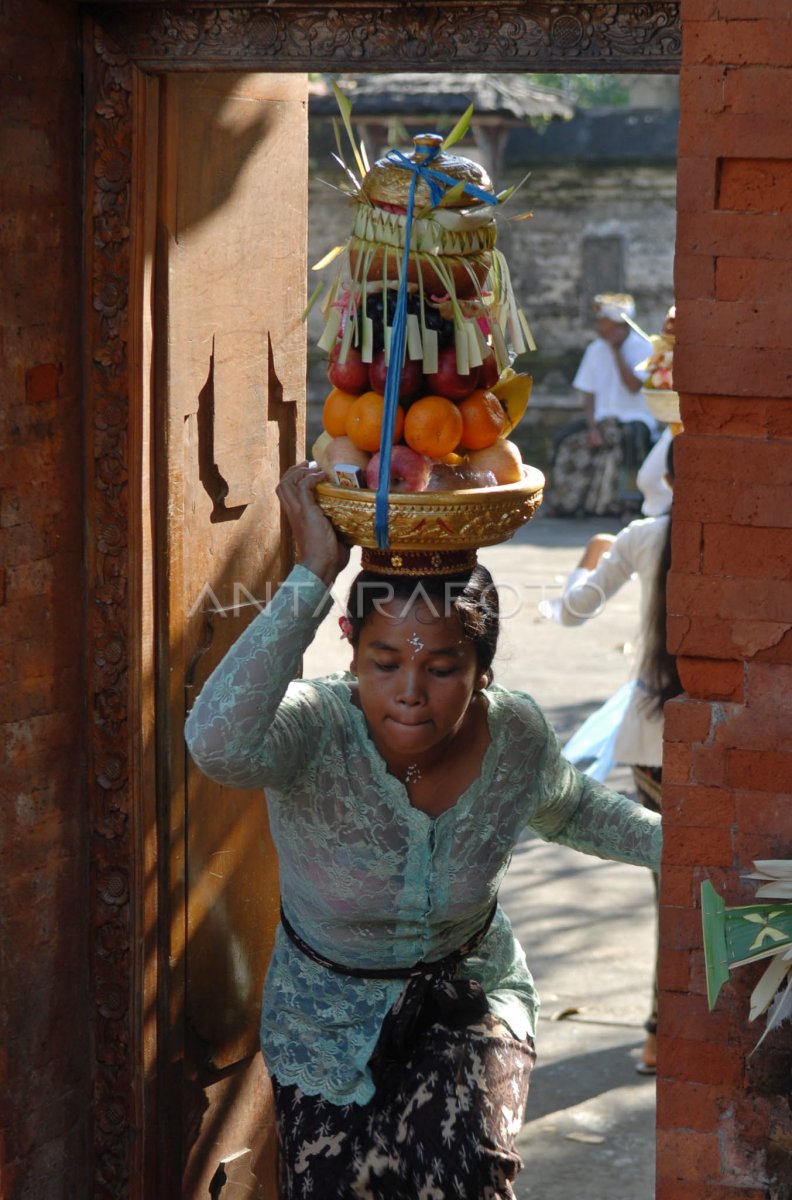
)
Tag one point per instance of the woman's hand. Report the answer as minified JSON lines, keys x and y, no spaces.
{"x":318,"y":548}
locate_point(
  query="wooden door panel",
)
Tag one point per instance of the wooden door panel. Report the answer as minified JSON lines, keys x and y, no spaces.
{"x":230,"y":291}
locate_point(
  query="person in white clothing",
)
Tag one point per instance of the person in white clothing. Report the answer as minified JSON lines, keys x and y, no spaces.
{"x":597,"y":457}
{"x":642,"y":548}
{"x":651,"y":478}
{"x":608,"y":563}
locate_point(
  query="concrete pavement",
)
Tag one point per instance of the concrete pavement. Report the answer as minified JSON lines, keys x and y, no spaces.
{"x":587,"y":926}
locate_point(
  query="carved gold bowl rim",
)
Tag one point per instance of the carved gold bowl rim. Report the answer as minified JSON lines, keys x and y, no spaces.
{"x":426,"y":520}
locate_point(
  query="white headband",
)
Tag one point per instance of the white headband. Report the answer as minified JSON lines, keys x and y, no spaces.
{"x":614,"y":306}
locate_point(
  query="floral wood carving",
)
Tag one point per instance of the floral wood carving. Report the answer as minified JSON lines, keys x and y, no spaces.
{"x":469,"y":36}
{"x":112,"y":821}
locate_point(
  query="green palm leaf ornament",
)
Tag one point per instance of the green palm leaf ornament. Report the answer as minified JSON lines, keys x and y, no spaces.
{"x":748,"y":933}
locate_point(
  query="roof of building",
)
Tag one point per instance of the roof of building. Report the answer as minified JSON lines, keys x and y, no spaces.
{"x":421,"y":95}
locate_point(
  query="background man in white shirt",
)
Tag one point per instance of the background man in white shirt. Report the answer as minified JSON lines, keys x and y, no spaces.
{"x":594,"y":467}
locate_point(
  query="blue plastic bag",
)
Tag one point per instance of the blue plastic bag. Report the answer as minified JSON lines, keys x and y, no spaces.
{"x":596,"y":737}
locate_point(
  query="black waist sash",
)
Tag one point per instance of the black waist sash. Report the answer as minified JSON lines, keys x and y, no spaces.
{"x":438,"y":966}
{"x":431,"y":995}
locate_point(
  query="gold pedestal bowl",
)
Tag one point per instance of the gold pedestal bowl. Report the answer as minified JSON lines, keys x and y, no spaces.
{"x":430,"y":525}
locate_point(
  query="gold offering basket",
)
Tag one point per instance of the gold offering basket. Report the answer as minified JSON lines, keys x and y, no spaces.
{"x":662,"y":404}
{"x":427,"y":521}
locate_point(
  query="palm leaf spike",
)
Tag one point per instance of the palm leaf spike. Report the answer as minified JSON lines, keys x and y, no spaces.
{"x":330,"y":294}
{"x":340,"y":156}
{"x":771,"y":868}
{"x":508,"y":192}
{"x":764,"y":993}
{"x":349,"y":322}
{"x":779,"y":1012}
{"x":516,"y":329}
{"x":353,"y":179}
{"x":447,"y":280}
{"x":386,"y":328}
{"x":526,"y":328}
{"x":351,"y":309}
{"x":330,"y":331}
{"x":776,"y":874}
{"x":499,"y":345}
{"x":460,"y":335}
{"x":452,"y":195}
{"x":366,"y":324}
{"x":414,"y":341}
{"x":315,"y":294}
{"x":459,"y":130}
{"x":328,"y":258}
{"x":345,"y":108}
{"x":501,"y":287}
{"x":461,"y":346}
{"x":336,"y":187}
{"x":472,"y":275}
{"x":634,"y":325}
{"x":475,"y":340}
{"x":428,"y":336}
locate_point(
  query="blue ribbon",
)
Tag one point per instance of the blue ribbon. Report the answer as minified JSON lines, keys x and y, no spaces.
{"x":434,"y":178}
{"x":437,"y":182}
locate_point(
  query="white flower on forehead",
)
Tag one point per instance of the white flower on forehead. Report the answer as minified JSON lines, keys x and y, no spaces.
{"x":415,"y":642}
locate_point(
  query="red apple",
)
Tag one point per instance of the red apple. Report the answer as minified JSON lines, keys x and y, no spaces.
{"x":446,"y":380}
{"x":411,"y":379}
{"x":351,"y":375}
{"x":409,"y":472}
{"x":488,"y":372}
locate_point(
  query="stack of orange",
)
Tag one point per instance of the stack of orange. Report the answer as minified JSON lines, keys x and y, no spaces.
{"x":470,"y":428}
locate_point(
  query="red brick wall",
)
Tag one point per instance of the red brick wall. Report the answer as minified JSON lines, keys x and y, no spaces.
{"x":724,"y":1130}
{"x":43,"y":899}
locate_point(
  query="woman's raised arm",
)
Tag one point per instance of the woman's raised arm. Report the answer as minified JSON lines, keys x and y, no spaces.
{"x":237,"y":732}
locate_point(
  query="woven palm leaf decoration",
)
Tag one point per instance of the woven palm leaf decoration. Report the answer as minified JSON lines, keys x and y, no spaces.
{"x":750,"y":932}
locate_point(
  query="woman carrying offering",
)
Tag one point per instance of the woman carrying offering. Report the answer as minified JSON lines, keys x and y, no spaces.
{"x":398,"y":1013}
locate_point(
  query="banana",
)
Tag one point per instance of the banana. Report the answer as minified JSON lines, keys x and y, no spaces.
{"x":513,"y":391}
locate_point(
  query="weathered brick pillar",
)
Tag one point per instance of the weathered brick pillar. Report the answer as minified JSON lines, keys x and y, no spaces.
{"x":724,"y":1130}
{"x":43,"y":880}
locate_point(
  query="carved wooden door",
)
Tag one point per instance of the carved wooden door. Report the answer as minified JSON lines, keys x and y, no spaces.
{"x":229,"y":371}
